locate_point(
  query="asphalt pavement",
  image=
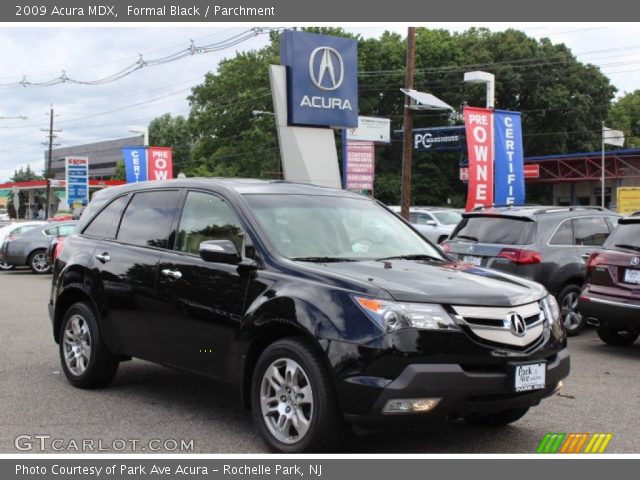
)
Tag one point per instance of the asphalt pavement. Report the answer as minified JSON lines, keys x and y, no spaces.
{"x":152,"y":407}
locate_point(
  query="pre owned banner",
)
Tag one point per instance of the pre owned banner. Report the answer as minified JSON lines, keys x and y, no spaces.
{"x":509,"y":159}
{"x":160,"y":163}
{"x":479,"y":130}
{"x":135,"y":164}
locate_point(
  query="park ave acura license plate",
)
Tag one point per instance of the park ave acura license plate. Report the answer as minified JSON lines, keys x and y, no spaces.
{"x":472,"y":259}
{"x":531,"y":376}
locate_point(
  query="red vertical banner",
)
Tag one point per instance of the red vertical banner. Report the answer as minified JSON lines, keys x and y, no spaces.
{"x":160,"y":161}
{"x":478,"y":124}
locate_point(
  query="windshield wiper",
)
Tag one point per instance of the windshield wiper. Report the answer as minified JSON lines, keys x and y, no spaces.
{"x":467,"y":237}
{"x":416,"y":256}
{"x":628,"y":247}
{"x":322,"y":259}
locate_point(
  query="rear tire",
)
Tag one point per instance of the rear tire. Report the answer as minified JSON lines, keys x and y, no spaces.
{"x":293,"y":400}
{"x":498,"y":419}
{"x":615,"y":337}
{"x":86,"y":360}
{"x":38,"y":262}
{"x":573,"y":321}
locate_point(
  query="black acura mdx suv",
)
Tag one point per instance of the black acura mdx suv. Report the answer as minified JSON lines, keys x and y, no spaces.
{"x":323,"y":306}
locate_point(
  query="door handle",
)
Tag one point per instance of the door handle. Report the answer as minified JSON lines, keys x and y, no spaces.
{"x":103,"y":257}
{"x":173,"y":274}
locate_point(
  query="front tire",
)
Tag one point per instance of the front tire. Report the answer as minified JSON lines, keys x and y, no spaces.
{"x":293,"y":400}
{"x":5,"y":267}
{"x":498,"y":419}
{"x":86,"y":360}
{"x":615,"y":337}
{"x":38,"y":262}
{"x":573,"y":321}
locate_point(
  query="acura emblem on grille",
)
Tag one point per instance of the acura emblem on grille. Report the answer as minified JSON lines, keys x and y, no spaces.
{"x":635,"y":261}
{"x":517,"y":324}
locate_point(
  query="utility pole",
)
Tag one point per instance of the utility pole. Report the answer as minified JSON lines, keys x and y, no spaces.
{"x":408,"y":125}
{"x":47,"y":173}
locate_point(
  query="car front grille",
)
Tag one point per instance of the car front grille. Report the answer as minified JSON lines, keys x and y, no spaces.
{"x":494,"y":324}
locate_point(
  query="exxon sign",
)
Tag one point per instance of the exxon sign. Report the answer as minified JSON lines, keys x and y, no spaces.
{"x":322,"y":79}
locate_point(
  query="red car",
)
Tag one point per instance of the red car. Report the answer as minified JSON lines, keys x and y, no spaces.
{"x":610,"y":298}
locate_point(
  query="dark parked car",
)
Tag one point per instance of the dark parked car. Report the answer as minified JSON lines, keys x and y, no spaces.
{"x":29,"y":248}
{"x":611,"y":296}
{"x":322,"y":306}
{"x":547,"y":244}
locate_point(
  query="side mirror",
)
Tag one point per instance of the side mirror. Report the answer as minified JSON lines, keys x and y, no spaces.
{"x":431,"y":223}
{"x":219,"y":251}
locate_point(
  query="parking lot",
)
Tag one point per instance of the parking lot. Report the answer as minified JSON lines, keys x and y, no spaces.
{"x":147,"y":401}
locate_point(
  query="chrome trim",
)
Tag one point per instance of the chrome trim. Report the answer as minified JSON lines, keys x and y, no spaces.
{"x":611,"y":302}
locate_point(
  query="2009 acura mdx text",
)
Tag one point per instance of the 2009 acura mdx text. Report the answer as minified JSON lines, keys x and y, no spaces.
{"x":325,"y":308}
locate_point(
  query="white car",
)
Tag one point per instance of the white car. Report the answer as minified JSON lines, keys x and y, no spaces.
{"x":4,"y":215}
{"x":435,"y":224}
{"x":13,"y":229}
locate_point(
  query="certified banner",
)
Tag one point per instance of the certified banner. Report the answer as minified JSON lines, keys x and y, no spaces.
{"x":135,"y":164}
{"x":160,"y":163}
{"x":77,"y":181}
{"x":509,"y":158}
{"x":479,"y":130}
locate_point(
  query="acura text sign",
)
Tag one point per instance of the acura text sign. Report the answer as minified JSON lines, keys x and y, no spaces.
{"x":322,"y":79}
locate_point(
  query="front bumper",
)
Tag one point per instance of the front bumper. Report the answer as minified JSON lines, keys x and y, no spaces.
{"x":610,"y":312}
{"x":461,"y":392}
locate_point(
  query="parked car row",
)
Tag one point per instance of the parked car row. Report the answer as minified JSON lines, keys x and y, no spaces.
{"x":27,"y":244}
{"x":433,"y":223}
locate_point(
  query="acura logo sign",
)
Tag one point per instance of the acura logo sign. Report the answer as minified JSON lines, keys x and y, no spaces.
{"x":327,"y":73}
{"x":635,"y":261}
{"x":517,"y":324}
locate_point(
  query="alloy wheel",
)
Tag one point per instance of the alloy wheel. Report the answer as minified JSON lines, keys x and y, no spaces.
{"x":77,"y":345}
{"x":570,"y":316}
{"x":39,"y":263}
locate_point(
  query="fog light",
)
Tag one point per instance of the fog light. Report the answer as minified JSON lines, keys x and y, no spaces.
{"x":410,"y":405}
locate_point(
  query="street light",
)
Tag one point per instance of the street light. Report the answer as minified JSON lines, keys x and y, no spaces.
{"x":142,"y":130}
{"x":19,"y":117}
{"x":487,"y":78}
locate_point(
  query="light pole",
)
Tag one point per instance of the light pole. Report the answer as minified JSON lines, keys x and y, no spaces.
{"x":142,"y":130}
{"x":487,"y":78}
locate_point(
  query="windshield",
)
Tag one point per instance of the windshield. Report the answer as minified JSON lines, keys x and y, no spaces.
{"x":305,"y":226}
{"x":447,"y":218}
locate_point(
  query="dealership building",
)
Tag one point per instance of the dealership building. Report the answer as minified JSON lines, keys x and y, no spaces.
{"x":103,"y":156}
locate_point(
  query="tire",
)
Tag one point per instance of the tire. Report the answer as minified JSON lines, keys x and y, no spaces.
{"x":86,"y":360}
{"x":307,"y":394}
{"x":573,"y":321}
{"x":615,"y":337}
{"x":498,"y":419}
{"x":38,"y":262}
{"x":5,"y":267}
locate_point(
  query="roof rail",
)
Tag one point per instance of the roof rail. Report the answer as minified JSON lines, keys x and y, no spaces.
{"x":506,"y":205}
{"x":554,"y":209}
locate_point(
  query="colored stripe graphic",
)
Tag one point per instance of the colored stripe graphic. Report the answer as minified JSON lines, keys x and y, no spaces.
{"x":574,"y":443}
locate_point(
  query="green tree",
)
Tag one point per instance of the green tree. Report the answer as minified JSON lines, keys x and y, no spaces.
{"x":120,"y":173}
{"x":24,"y":175}
{"x":174,"y":132}
{"x":625,"y":115}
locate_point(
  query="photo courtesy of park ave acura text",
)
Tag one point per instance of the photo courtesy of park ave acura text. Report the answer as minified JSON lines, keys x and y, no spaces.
{"x":353,"y":238}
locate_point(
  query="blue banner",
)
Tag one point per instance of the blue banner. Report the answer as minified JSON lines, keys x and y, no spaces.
{"x":135,"y":164}
{"x":322,"y":79}
{"x":509,"y":163}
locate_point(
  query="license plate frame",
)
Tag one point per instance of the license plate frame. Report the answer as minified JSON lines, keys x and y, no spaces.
{"x":472,"y":259}
{"x":528,"y":376}
{"x":632,"y":276}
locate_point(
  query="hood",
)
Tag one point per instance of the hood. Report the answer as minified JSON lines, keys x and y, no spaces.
{"x":452,"y":283}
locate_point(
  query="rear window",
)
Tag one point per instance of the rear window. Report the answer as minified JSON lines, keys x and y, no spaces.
{"x":502,"y":230}
{"x":627,"y":234}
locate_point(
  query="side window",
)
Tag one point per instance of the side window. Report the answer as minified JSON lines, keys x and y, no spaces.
{"x":148,"y":218}
{"x":563,"y":235}
{"x":591,"y":231}
{"x":207,"y":217}
{"x":413,"y":217}
{"x":613,"y":222}
{"x":52,"y":231}
{"x":105,"y":224}
{"x":64,"y":230}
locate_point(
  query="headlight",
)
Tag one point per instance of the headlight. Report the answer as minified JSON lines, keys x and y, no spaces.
{"x":395,"y":315}
{"x":551,"y":310}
